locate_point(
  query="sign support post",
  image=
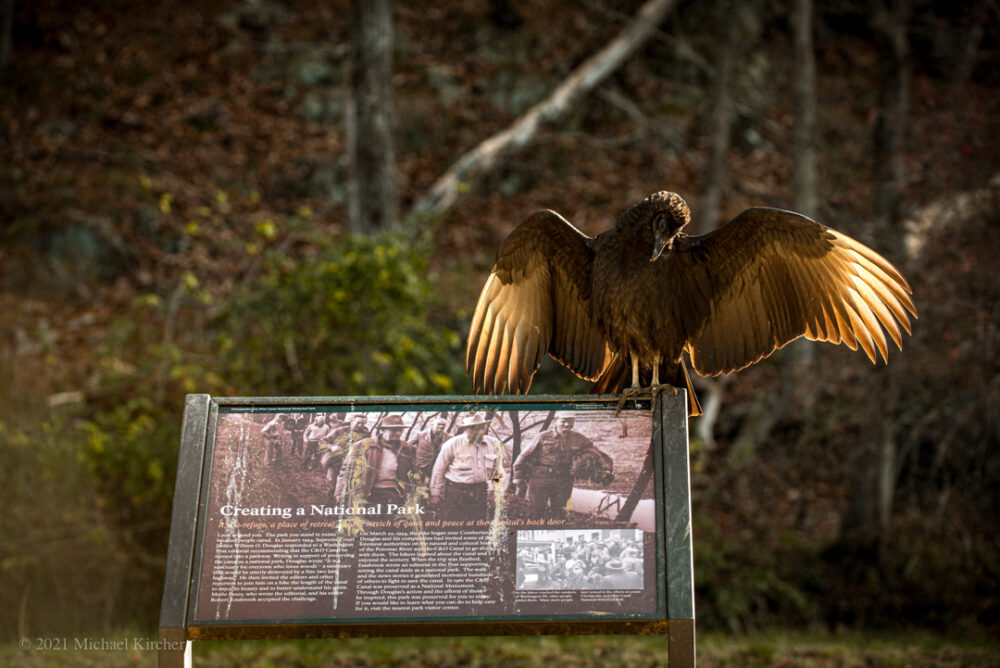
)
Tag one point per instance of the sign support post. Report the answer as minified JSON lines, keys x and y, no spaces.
{"x":174,"y":648}
{"x":670,"y":424}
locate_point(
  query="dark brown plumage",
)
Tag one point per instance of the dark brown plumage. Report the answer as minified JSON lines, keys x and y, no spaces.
{"x":646,"y":292}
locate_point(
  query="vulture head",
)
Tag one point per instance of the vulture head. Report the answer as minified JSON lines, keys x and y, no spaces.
{"x":659,"y":219}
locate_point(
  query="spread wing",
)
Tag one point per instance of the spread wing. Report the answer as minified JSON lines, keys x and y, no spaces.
{"x":770,"y":276}
{"x":535,"y":301}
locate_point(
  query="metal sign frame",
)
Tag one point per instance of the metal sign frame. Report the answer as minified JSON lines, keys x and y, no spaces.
{"x":670,"y":466}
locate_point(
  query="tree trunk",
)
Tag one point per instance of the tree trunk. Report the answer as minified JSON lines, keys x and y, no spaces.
{"x":892,"y":123}
{"x":873,"y":475}
{"x":805,"y":195}
{"x":515,"y":424}
{"x":372,"y":205}
{"x":804,"y":179}
{"x":645,"y":476}
{"x":714,"y":179}
{"x":6,"y":35}
{"x":710,"y":392}
{"x":796,"y":359}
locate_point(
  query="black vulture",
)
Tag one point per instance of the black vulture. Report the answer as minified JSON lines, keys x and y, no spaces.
{"x":644,"y":292}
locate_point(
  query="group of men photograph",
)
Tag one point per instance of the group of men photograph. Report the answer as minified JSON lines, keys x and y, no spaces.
{"x":454,"y":465}
{"x":313,"y":441}
{"x":599,"y":564}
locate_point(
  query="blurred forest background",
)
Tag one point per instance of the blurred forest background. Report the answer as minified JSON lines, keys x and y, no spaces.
{"x":194,"y":198}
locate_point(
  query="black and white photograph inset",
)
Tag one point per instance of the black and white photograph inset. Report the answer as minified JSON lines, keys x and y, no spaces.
{"x":573,"y":559}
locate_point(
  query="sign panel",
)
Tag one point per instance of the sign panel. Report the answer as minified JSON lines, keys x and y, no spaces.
{"x":340,"y":513}
{"x":369,"y":516}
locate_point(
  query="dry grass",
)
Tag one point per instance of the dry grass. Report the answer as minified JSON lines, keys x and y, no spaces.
{"x":715,"y":651}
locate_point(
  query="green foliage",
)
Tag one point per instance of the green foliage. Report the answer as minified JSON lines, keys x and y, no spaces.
{"x":355,"y":318}
{"x":62,"y":565}
{"x":742,"y":586}
{"x":128,"y":443}
{"x":129,"y":450}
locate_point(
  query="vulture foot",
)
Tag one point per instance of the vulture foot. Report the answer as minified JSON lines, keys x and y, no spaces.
{"x":634,"y":393}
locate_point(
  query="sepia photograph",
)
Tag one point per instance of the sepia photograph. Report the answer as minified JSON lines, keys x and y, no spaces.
{"x":553,"y":466}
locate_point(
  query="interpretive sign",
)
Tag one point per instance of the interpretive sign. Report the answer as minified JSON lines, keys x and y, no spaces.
{"x":416,"y":516}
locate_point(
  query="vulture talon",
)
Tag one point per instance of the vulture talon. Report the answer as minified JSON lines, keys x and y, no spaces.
{"x":630,"y":393}
{"x":652,"y":392}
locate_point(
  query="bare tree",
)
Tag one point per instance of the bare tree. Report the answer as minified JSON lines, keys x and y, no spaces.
{"x":794,"y":362}
{"x":372,"y":205}
{"x":6,"y":34}
{"x":581,"y":81}
{"x":714,"y":179}
{"x":805,"y":196}
{"x":804,"y":178}
{"x":873,"y":472}
{"x":891,"y":126}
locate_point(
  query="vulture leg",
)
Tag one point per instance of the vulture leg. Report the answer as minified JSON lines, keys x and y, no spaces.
{"x":636,"y":390}
{"x":655,"y":387}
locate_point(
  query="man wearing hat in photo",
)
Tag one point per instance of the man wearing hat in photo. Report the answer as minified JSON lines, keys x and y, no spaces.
{"x":547,"y":467}
{"x":618,"y":577}
{"x":296,"y":425}
{"x":274,"y":435}
{"x":577,"y":576}
{"x":338,"y":442}
{"x":632,"y":561}
{"x":429,"y":444}
{"x":378,"y":469}
{"x":465,"y":468}
{"x":312,"y":436}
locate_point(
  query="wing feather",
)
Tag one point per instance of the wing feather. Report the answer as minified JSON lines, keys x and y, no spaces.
{"x":840,"y":328}
{"x":776,"y":276}
{"x":876,"y":299}
{"x":863,"y":304}
{"x":866,"y":338}
{"x":536,"y":301}
{"x":818,"y":318}
{"x":492,"y":351}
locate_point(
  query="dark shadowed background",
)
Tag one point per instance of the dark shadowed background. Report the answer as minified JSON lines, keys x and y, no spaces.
{"x":177,"y":192}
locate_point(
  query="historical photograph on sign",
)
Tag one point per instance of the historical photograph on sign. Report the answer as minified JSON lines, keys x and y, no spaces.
{"x":352,"y":514}
{"x":580,"y":559}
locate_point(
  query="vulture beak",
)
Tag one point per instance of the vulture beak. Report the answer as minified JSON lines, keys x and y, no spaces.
{"x":659,"y":243}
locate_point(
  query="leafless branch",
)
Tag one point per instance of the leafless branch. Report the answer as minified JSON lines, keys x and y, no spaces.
{"x":581,"y":81}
